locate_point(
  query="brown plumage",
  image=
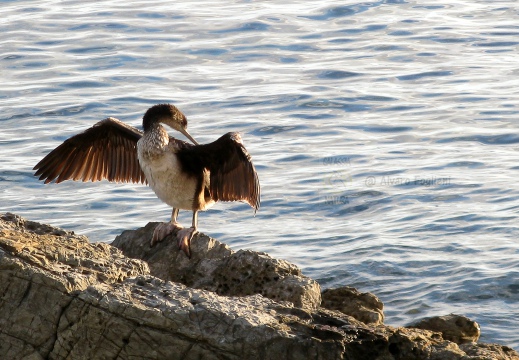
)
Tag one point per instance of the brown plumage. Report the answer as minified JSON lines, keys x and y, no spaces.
{"x":185,"y":176}
{"x":107,"y":150}
{"x":232,"y":174}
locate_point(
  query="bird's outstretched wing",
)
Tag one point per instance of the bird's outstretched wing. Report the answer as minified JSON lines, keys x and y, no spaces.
{"x":107,"y":150}
{"x":232,"y":173}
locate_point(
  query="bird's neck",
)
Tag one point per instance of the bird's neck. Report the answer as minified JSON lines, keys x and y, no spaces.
{"x":155,"y":138}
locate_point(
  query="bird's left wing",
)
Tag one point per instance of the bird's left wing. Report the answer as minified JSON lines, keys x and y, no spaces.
{"x":232,"y":173}
{"x":107,"y":150}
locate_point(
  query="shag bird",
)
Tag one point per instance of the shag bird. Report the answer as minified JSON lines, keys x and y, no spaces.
{"x":184,"y":176}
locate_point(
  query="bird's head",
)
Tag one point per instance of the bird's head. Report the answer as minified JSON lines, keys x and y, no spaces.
{"x":168,"y":115}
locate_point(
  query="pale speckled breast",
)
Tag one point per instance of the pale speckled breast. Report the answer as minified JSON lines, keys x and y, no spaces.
{"x":164,"y":175}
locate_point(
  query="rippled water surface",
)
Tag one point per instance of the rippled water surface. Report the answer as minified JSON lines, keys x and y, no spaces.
{"x":385,"y":133}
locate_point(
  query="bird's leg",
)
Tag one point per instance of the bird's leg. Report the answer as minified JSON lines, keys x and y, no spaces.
{"x":184,"y":236}
{"x":164,"y":229}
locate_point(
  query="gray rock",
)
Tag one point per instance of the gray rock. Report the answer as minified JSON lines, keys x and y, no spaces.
{"x":41,"y":267}
{"x":456,"y":328}
{"x":215,"y":267}
{"x":411,"y":344}
{"x":364,"y":307}
{"x":64,"y":298}
{"x":489,"y":351}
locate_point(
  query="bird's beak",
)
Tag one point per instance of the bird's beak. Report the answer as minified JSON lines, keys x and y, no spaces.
{"x":186,"y":134}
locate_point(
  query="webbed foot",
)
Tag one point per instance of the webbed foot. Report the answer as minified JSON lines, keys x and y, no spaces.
{"x":184,"y":237}
{"x":162,"y":230}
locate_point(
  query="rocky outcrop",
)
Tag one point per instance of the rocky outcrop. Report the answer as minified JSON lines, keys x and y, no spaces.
{"x":62,"y":297}
{"x":364,"y":307}
{"x":215,"y":267}
{"x":456,"y":328}
{"x":42,"y":270}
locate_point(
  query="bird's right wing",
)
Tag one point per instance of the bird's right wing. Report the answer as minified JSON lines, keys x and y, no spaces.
{"x":107,"y":150}
{"x":233,"y":176}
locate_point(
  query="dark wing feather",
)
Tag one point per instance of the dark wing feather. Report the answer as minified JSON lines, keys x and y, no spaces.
{"x":108,"y":150}
{"x":232,"y":173}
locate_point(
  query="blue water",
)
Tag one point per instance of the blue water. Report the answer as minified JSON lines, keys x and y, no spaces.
{"x":385,"y":133}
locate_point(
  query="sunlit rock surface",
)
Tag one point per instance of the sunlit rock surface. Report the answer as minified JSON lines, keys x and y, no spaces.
{"x":456,"y":328}
{"x":364,"y":307}
{"x":62,"y":297}
{"x":215,"y":267}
